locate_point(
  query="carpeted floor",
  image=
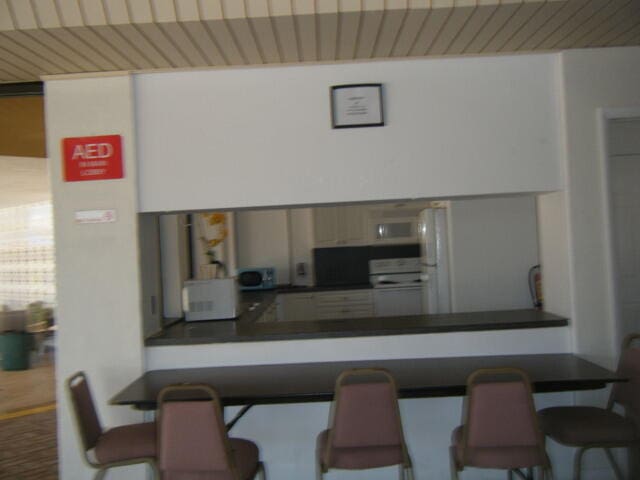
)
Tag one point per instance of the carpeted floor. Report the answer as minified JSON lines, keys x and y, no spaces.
{"x":28,"y":447}
{"x":34,"y":387}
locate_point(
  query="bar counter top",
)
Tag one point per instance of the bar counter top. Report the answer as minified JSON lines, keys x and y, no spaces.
{"x":248,"y":328}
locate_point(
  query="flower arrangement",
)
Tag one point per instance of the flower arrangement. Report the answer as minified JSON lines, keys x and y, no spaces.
{"x":213,"y":232}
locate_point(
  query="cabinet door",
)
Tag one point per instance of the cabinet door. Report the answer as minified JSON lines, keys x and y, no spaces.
{"x":344,"y":304}
{"x":390,"y":302}
{"x":325,"y":226}
{"x":350,"y":225}
{"x":297,"y":307}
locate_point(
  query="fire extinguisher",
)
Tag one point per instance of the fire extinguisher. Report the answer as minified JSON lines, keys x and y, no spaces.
{"x":535,"y":286}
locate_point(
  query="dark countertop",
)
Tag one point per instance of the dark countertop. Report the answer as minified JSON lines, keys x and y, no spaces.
{"x":302,"y":289}
{"x":315,"y":382}
{"x":246,"y":328}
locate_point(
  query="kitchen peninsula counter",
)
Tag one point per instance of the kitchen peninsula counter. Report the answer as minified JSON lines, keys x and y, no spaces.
{"x":246,"y":328}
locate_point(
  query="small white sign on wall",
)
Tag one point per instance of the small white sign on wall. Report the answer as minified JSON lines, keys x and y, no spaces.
{"x":95,"y":216}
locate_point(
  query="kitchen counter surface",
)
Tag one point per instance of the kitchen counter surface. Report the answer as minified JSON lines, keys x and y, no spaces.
{"x":303,"y":289}
{"x":246,"y":328}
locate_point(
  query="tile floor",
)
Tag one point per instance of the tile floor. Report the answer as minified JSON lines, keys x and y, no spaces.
{"x":28,"y":445}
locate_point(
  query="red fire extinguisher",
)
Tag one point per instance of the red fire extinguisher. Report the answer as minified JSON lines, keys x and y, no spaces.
{"x":535,"y":286}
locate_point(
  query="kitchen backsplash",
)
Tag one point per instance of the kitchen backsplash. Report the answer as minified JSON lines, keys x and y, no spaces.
{"x":350,"y":265}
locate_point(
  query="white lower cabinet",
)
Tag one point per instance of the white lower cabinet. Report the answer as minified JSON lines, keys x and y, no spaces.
{"x":344,"y":304}
{"x":296,"y":307}
{"x":325,"y":305}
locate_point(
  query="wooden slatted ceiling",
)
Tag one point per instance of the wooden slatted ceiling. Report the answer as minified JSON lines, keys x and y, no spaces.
{"x":44,"y":37}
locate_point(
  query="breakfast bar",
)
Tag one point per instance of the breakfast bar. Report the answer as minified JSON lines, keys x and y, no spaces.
{"x":314,"y":382}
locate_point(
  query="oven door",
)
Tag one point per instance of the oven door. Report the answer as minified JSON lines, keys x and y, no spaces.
{"x":397,"y":301}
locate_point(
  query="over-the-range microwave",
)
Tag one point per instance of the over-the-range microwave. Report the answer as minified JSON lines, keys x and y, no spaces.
{"x":389,"y":229}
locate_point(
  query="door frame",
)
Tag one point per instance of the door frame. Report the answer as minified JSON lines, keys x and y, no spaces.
{"x":604,"y":118}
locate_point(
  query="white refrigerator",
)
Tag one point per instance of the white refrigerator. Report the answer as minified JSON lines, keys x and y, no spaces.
{"x":434,"y":261}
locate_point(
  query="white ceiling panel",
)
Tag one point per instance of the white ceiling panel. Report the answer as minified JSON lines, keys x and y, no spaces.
{"x":46,"y":37}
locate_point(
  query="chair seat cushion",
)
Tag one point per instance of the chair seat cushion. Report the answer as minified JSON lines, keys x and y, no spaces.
{"x":245,"y":454}
{"x":127,"y":442}
{"x":356,"y":458}
{"x":502,"y":457}
{"x":576,"y":426}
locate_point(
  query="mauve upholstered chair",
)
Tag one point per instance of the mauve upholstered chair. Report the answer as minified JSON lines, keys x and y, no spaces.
{"x":115,"y":447}
{"x":500,"y":428}
{"x":193,"y":441}
{"x":593,"y":427}
{"x":365,"y":429}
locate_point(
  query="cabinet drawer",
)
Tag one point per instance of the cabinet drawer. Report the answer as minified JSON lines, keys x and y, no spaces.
{"x":344,"y":311}
{"x":344,"y":297}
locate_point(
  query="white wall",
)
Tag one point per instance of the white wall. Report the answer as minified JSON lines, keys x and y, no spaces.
{"x":262,"y":240}
{"x":97,"y":265}
{"x":261,"y":136}
{"x":302,"y":243}
{"x":494,"y":243}
{"x":593,"y":79}
{"x":553,"y":245}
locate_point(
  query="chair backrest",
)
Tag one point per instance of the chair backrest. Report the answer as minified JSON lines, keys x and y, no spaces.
{"x":500,"y":411}
{"x":627,"y":394}
{"x":365,"y":412}
{"x":192,"y":436}
{"x":84,"y":409}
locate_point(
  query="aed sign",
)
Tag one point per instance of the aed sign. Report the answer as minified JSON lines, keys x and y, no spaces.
{"x":92,"y":158}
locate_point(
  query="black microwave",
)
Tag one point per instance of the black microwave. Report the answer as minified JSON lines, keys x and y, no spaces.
{"x":262,"y":278}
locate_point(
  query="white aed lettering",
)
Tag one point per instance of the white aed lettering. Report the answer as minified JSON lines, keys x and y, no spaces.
{"x":91,"y":151}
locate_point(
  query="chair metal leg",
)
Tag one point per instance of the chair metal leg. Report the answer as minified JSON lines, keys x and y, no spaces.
{"x":453,"y":468}
{"x":577,"y":463}
{"x":509,"y":474}
{"x":318,"y":470}
{"x":155,"y":472}
{"x":401,"y":472}
{"x":100,"y":474}
{"x":410,"y":473}
{"x":614,"y":465}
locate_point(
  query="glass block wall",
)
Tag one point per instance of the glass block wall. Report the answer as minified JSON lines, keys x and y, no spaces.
{"x":27,"y":266}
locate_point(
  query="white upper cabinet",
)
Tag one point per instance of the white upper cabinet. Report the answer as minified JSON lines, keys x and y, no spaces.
{"x":339,"y":226}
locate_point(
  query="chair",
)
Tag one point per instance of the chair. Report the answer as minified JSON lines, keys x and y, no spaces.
{"x":500,"y":428}
{"x":193,"y":441}
{"x":365,"y":430}
{"x":104,"y":449}
{"x":592,"y":427}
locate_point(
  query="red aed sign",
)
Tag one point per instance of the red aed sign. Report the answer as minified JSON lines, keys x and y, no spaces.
{"x":92,"y":158}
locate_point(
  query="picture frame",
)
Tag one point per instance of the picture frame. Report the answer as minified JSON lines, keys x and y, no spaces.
{"x":357,"y":105}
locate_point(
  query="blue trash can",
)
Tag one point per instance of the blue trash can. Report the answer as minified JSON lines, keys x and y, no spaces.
{"x":15,"y":347}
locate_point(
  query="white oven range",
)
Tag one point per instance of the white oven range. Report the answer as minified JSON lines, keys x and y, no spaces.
{"x":397,"y":286}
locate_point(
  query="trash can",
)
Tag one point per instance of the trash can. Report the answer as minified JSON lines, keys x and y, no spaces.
{"x":15,"y":347}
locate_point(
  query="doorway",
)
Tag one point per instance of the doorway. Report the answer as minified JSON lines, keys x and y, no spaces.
{"x":623,"y":146}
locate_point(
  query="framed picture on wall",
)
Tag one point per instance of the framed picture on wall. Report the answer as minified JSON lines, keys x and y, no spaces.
{"x":357,"y":105}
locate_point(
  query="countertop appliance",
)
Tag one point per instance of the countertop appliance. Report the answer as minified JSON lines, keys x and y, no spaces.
{"x":397,"y":286}
{"x":259,"y":278}
{"x":434,"y":260}
{"x":215,"y":299}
